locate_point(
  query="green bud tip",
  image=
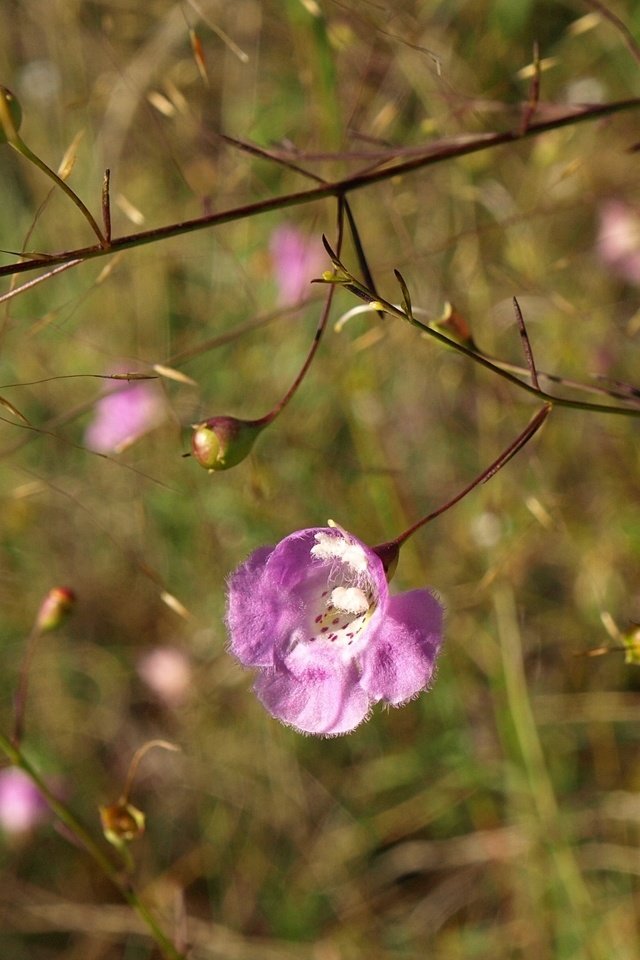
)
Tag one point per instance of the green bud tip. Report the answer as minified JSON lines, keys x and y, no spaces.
{"x":222,"y":442}
{"x":10,"y":115}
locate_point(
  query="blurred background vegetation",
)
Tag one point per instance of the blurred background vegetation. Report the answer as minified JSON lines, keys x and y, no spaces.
{"x":497,"y":815}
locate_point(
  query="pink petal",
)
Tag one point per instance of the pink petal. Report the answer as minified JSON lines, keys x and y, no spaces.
{"x":251,"y":612}
{"x":323,"y":697}
{"x":400,"y":663}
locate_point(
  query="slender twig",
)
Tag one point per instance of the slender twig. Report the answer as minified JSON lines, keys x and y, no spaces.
{"x":359,"y":248}
{"x":255,"y":150}
{"x":514,"y":447}
{"x":432,"y":154}
{"x":322,"y":324}
{"x":106,"y":205}
{"x":138,"y":756}
{"x":629,"y":39}
{"x":219,"y":443}
{"x":39,"y":279}
{"x":345,"y":278}
{"x":534,"y":91}
{"x":390,"y":551}
{"x":20,"y":696}
{"x":15,"y":140}
{"x":624,"y":391}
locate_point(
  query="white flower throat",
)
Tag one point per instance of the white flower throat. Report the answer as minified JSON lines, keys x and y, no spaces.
{"x":341,"y":611}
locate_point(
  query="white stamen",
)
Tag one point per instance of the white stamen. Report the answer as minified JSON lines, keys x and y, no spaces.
{"x":355,"y":557}
{"x":349,"y":599}
{"x":330,"y":547}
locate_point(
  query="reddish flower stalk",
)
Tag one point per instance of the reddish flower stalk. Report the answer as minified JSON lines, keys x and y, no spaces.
{"x":222,"y":442}
{"x":390,"y":551}
{"x":54,"y":610}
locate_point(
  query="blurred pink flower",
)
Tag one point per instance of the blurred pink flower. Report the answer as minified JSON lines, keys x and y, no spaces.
{"x":127,"y":411}
{"x":297,"y":258}
{"x":618,"y":241}
{"x":21,"y":803}
{"x":167,"y":672}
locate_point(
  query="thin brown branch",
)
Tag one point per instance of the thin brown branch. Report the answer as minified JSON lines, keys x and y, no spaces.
{"x":433,"y":154}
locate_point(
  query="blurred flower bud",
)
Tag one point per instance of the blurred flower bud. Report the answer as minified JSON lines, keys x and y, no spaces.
{"x":631,"y":643}
{"x":10,"y":115}
{"x":22,"y":806}
{"x":55,"y":608}
{"x":222,"y":442}
{"x":121,"y":822}
{"x":454,"y":325}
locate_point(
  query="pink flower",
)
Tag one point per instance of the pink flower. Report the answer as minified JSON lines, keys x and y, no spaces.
{"x":22,"y":806}
{"x":313,"y":615}
{"x":618,"y":240}
{"x":129,"y":410}
{"x":297,"y":259}
{"x":166,"y":671}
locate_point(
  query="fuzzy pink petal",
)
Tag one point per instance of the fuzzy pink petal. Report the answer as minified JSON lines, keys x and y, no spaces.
{"x":400,"y":663}
{"x":251,"y":611}
{"x":322,"y":697}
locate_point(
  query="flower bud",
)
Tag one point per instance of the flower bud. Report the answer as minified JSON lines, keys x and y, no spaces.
{"x":55,"y":608}
{"x":222,"y":442}
{"x":454,"y":325}
{"x":121,"y":822}
{"x":10,"y":115}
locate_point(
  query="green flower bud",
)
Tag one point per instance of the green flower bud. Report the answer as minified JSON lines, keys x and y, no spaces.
{"x":222,"y":442}
{"x":10,"y":115}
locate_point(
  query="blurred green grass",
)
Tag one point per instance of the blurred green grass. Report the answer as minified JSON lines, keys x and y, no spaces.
{"x":496,"y":815}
